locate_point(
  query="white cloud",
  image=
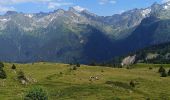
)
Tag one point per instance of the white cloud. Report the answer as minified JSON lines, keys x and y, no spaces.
{"x":53,"y":5}
{"x":103,"y":2}
{"x":6,"y":5}
{"x":5,"y":9}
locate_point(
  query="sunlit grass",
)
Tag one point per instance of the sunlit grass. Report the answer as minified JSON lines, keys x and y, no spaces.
{"x":65,"y":84}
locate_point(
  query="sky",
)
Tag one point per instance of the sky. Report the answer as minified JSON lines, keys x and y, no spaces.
{"x":99,"y":7}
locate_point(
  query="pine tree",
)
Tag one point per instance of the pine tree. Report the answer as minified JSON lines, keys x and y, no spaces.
{"x":161,"y":69}
{"x":3,"y":74}
{"x":169,"y":72}
{"x":13,"y":66}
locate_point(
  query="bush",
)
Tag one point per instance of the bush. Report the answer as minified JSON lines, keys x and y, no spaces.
{"x":1,"y":65}
{"x":21,"y":75}
{"x":74,"y":68}
{"x":163,"y":74}
{"x":36,"y":93}
{"x":61,"y":73}
{"x":169,"y":72}
{"x":13,"y":66}
{"x":132,"y":83}
{"x":150,"y":68}
{"x":2,"y":74}
{"x":161,"y":69}
{"x":78,"y":65}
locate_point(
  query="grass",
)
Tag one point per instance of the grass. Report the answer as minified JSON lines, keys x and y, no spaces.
{"x":65,"y":84}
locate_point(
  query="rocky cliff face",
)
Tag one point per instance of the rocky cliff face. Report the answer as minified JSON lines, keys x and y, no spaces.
{"x":128,"y":60}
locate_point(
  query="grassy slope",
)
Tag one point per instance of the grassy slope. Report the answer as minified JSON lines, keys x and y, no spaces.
{"x":75,"y":85}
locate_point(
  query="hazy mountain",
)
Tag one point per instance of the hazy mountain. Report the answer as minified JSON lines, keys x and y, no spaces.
{"x":79,"y":35}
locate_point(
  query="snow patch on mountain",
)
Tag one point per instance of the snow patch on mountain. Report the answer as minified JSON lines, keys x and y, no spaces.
{"x":79,"y":9}
{"x":166,"y":6}
{"x":4,"y":20}
{"x":146,"y":12}
{"x":29,"y":15}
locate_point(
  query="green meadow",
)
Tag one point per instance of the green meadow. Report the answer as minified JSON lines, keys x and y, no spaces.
{"x":61,"y":83}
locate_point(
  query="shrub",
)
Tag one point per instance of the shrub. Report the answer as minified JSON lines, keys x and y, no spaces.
{"x":78,"y":65}
{"x":61,"y":73}
{"x":21,"y":75}
{"x":13,"y":66}
{"x":132,"y":83}
{"x":163,"y":74}
{"x":2,"y":74}
{"x":1,"y":65}
{"x":169,"y":72}
{"x":36,"y":93}
{"x":161,"y":69}
{"x":74,"y":68}
{"x":150,"y":68}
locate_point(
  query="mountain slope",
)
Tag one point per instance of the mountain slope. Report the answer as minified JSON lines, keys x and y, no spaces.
{"x":158,"y":54}
{"x":73,"y":35}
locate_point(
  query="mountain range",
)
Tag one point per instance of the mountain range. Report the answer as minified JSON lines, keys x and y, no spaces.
{"x":79,"y":35}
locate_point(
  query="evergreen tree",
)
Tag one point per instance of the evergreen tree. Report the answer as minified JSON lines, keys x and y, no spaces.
{"x":169,"y":72}
{"x":163,"y":74}
{"x":132,"y":83}
{"x":2,"y":74}
{"x":13,"y":66}
{"x":78,"y":64}
{"x":1,"y":65}
{"x":161,"y":69}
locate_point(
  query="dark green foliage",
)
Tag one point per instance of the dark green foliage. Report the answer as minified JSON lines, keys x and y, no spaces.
{"x":61,"y":73}
{"x":21,"y":75}
{"x":162,"y":50}
{"x":169,"y":72}
{"x":36,"y":93}
{"x":13,"y":66}
{"x":1,"y":65}
{"x":161,"y":69}
{"x":78,"y":64}
{"x":2,"y":74}
{"x":132,"y":83}
{"x":163,"y":74}
{"x":74,"y":67}
{"x":150,"y":68}
{"x":148,"y":99}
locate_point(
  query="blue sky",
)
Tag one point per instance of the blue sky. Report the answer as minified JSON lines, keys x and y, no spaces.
{"x":100,"y":7}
